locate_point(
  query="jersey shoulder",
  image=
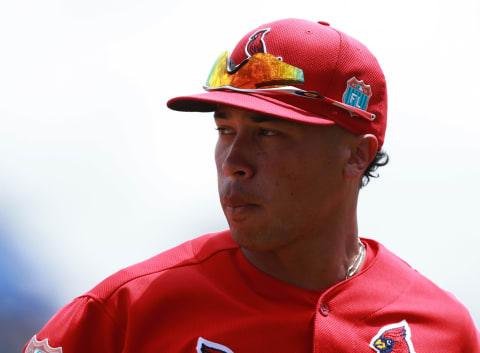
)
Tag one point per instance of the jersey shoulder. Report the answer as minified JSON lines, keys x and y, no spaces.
{"x":191,"y":253}
{"x":424,"y":301}
{"x":123,"y":299}
{"x":411,"y":282}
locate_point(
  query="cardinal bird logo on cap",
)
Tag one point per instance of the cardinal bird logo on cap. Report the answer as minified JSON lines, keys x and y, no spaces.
{"x":205,"y":346}
{"x":394,"y":338}
{"x":256,"y":43}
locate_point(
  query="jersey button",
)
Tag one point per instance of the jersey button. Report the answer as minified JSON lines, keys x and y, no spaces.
{"x":324,"y":309}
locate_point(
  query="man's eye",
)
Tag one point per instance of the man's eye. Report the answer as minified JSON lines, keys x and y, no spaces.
{"x":266,"y":132}
{"x":224,"y":130}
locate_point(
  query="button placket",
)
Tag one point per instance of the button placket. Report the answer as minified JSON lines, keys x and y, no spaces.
{"x":324,"y":309}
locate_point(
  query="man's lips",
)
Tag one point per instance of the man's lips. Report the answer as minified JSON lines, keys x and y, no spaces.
{"x":236,"y":202}
{"x":234,"y":198}
{"x":238,"y":211}
{"x":235,"y":207}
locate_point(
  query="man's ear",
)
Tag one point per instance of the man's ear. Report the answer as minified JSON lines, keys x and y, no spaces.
{"x":363,"y":151}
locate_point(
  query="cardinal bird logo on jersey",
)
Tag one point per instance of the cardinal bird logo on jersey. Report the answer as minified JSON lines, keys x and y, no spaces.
{"x":205,"y":346}
{"x":394,"y":338}
{"x":256,"y":43}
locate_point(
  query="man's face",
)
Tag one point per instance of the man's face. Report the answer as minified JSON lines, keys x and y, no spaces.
{"x":278,"y":180}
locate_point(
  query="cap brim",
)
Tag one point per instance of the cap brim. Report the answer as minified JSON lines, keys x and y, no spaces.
{"x":207,"y":102}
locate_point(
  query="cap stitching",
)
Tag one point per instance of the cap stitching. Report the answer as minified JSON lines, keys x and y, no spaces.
{"x":337,"y":61}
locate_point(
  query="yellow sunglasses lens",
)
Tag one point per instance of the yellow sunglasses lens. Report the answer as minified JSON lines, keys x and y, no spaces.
{"x":261,"y":70}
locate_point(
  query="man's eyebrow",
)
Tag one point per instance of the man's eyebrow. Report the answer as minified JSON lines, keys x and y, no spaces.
{"x":219,"y":115}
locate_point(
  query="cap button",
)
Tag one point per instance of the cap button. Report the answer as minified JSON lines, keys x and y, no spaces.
{"x":323,"y":23}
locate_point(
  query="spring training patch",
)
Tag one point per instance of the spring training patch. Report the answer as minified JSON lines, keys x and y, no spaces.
{"x":357,"y":94}
{"x":35,"y":346}
{"x":205,"y":346}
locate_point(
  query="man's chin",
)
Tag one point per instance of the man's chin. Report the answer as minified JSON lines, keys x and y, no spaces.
{"x":255,"y":240}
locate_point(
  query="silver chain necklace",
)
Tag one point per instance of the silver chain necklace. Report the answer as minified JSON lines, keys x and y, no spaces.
{"x":355,"y":266}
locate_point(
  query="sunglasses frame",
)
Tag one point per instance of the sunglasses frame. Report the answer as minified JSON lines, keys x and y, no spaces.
{"x":298,"y":92}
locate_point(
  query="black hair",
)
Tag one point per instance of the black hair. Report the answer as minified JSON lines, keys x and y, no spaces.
{"x":380,"y":160}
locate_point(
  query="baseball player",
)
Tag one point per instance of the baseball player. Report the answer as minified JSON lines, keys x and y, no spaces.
{"x":301,"y":112}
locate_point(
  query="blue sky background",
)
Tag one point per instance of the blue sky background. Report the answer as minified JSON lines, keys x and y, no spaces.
{"x":96,"y":173}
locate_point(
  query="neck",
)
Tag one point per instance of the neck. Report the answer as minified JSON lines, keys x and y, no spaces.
{"x":317,"y":260}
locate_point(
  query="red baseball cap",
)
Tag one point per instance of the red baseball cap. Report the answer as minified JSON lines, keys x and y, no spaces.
{"x":299,"y":70}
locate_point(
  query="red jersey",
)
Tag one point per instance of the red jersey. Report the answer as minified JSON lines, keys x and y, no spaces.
{"x":203,"y":296}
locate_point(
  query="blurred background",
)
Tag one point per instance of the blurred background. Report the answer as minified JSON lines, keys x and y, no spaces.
{"x":97,"y":174}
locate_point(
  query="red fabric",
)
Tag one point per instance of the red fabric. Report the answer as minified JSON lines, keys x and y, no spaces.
{"x":205,"y":288}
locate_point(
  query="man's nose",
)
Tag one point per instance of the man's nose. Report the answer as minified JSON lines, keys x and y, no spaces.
{"x":238,"y":158}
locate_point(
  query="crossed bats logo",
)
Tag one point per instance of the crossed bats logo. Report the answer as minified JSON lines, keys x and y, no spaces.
{"x":394,"y":338}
